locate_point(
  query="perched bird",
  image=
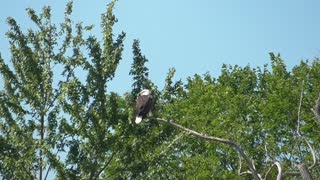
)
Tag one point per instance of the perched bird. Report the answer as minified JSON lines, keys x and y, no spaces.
{"x":143,"y":105}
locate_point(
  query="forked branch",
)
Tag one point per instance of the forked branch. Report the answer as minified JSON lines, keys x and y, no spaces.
{"x":221,"y":140}
{"x":279,"y":176}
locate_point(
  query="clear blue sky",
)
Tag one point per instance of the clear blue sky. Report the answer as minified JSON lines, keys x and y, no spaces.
{"x":193,"y":36}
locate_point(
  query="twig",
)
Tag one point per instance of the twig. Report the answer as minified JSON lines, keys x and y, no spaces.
{"x":268,"y":154}
{"x":287,"y":174}
{"x":107,"y":163}
{"x":269,"y":170}
{"x":221,"y":140}
{"x":299,"y":109}
{"x":49,"y":168}
{"x":177,"y":138}
{"x":239,"y":171}
{"x":245,"y":172}
{"x":240,"y":166}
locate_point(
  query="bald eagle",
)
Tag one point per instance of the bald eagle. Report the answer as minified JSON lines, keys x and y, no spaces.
{"x":143,"y":105}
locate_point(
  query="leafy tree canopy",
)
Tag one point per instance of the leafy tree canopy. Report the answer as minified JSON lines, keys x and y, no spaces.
{"x":51,"y":120}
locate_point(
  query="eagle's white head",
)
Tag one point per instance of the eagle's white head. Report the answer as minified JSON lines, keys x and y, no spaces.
{"x":145,"y":92}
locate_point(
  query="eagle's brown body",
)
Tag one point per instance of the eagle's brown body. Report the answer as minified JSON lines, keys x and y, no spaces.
{"x":143,"y":105}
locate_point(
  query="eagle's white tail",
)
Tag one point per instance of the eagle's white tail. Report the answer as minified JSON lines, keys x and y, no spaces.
{"x":138,"y":119}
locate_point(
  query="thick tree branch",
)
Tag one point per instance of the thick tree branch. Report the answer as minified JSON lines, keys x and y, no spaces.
{"x":221,"y":140}
{"x":304,"y":171}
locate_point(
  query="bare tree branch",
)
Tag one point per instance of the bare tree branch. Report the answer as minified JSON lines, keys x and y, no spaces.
{"x":240,"y":166}
{"x":273,"y":165}
{"x":279,"y":170}
{"x":269,"y":170}
{"x":239,"y":170}
{"x":316,"y":109}
{"x":221,"y":140}
{"x":268,"y":155}
{"x":279,"y":176}
{"x":245,"y":172}
{"x":313,"y":154}
{"x":287,"y":174}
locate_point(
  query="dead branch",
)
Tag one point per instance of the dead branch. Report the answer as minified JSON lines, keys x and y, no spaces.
{"x":221,"y":140}
{"x":279,"y":175}
{"x":276,"y":163}
{"x":279,"y":170}
{"x":287,"y":174}
{"x":313,"y":154}
{"x":316,"y":109}
{"x":240,"y":167}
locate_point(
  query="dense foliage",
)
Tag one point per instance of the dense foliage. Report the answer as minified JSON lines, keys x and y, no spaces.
{"x":57,"y":115}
